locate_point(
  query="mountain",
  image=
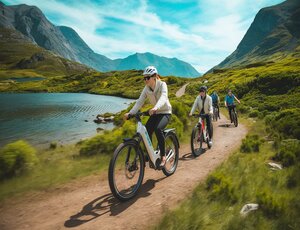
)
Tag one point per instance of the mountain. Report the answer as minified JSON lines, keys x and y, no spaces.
{"x":64,"y":41}
{"x":84,"y":53}
{"x":274,"y":33}
{"x":19,"y":57}
{"x":165,"y":66}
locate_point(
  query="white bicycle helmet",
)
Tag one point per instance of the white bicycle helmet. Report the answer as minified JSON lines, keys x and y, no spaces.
{"x":150,"y":70}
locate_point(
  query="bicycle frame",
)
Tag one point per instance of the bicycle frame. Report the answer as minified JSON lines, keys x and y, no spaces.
{"x":154,"y":155}
{"x":142,"y":132}
{"x":202,"y":122}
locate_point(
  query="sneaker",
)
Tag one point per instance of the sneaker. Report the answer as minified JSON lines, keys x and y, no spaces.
{"x":210,"y":143}
{"x":163,"y":162}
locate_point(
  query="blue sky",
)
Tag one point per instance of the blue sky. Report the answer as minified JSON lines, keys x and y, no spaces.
{"x":200,"y":32}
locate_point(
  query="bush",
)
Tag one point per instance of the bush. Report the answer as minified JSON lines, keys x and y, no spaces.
{"x":250,"y":144}
{"x":286,"y":123}
{"x":220,"y":187}
{"x":53,"y":145}
{"x":243,"y":109}
{"x":289,"y":152}
{"x":254,"y":113}
{"x":107,"y":142}
{"x":15,"y":158}
{"x":271,"y":206}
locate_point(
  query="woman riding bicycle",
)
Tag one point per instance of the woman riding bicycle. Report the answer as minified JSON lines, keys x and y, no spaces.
{"x":160,"y":115}
{"x":203,"y":103}
{"x":229,"y":102}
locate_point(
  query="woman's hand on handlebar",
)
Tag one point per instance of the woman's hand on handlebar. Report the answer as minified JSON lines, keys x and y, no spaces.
{"x":152,"y":111}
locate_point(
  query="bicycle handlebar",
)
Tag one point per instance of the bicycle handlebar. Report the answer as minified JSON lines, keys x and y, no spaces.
{"x":138,"y":115}
{"x":199,"y":115}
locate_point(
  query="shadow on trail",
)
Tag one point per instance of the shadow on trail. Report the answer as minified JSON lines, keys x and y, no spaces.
{"x":187,"y":157}
{"x":108,"y":204}
{"x":227,"y":125}
{"x":190,"y":156}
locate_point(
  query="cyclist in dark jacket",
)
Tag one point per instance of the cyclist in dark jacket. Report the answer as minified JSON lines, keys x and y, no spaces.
{"x":216,"y":101}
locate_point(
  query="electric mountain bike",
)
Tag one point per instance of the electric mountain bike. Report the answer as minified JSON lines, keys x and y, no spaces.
{"x":199,"y":135}
{"x":127,"y":165}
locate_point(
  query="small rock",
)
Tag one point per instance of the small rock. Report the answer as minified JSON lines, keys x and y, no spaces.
{"x":248,"y":208}
{"x":275,"y":166}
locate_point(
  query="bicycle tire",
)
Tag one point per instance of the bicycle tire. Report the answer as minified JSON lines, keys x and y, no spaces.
{"x":235,"y":121}
{"x":215,"y":114}
{"x":172,"y":137}
{"x":196,"y":139}
{"x":123,"y":195}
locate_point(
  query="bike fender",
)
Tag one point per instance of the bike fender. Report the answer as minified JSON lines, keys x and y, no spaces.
{"x":172,"y":130}
{"x":130,"y":140}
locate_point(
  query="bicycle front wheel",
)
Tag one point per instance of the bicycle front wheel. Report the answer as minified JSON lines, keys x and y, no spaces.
{"x":196,"y":141}
{"x":235,"y":119}
{"x":126,"y":171}
{"x":215,"y":114}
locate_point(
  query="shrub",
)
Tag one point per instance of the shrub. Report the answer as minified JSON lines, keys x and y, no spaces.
{"x":243,"y":109}
{"x":220,"y":187}
{"x":53,"y":145}
{"x":106,"y":143}
{"x":15,"y":158}
{"x":271,"y":205}
{"x":286,"y":123}
{"x":254,"y":113}
{"x":289,"y":152}
{"x":250,"y":144}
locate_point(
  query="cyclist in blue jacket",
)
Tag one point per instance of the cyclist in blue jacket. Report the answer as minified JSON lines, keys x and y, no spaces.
{"x":229,"y":102}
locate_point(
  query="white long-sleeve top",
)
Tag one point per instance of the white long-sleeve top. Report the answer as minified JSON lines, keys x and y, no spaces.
{"x":158,"y":97}
{"x":198,"y":104}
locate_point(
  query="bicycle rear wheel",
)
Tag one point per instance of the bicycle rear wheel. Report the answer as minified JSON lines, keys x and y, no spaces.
{"x":196,"y":141}
{"x":215,"y":114}
{"x":126,"y":171}
{"x":172,"y":154}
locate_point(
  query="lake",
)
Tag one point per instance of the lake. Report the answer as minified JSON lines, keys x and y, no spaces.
{"x":42,"y":118}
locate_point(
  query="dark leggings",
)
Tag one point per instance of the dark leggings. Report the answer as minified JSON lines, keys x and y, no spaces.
{"x":209,"y":125}
{"x":156,"y":123}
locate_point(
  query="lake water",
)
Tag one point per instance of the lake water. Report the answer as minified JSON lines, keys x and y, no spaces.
{"x":41,"y":118}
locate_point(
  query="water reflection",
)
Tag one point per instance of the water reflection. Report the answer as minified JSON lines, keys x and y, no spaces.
{"x":60,"y":117}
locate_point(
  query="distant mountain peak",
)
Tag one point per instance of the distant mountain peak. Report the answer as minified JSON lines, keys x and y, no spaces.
{"x":65,"y":41}
{"x":275,"y":30}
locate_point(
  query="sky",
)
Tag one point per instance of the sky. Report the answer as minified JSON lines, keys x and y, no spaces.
{"x":200,"y":32}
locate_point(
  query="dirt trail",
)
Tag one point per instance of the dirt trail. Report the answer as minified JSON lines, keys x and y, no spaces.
{"x":181,"y":91}
{"x":88,"y":203}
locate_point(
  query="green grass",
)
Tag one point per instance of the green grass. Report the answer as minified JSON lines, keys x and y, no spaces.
{"x":55,"y":167}
{"x":241,"y":182}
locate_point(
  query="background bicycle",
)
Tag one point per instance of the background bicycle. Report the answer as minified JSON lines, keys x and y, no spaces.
{"x":199,"y":135}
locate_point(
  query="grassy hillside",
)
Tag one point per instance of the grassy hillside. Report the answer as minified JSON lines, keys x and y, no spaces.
{"x":119,"y":83}
{"x":269,"y":94}
{"x":19,"y":57}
